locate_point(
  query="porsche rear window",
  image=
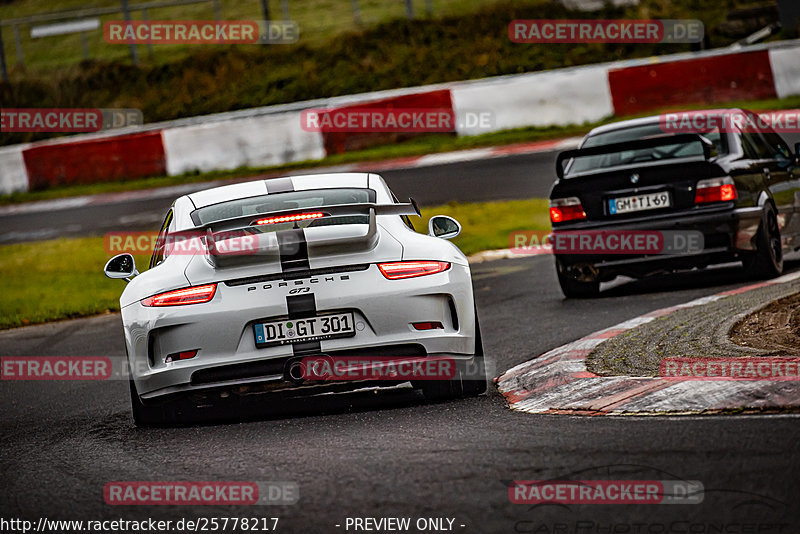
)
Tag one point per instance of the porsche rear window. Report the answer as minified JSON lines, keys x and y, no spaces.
{"x":629,"y":157}
{"x":294,"y":200}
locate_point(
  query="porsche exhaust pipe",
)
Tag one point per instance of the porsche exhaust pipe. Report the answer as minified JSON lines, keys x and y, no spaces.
{"x":295,"y":372}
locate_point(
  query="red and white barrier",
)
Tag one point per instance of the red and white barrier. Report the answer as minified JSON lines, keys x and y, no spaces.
{"x":274,"y":135}
{"x":557,"y":97}
{"x":263,"y":140}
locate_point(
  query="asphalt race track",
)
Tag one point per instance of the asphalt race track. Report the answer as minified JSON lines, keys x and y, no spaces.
{"x":389,"y":454}
{"x":506,"y":178}
{"x":521,"y":176}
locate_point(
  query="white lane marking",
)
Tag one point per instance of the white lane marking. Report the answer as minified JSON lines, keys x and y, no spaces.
{"x":45,"y":205}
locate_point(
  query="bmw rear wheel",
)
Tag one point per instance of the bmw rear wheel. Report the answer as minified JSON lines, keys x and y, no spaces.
{"x":767,"y":260}
{"x":576,"y":289}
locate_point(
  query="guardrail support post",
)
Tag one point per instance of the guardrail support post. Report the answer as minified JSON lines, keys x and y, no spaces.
{"x":18,"y":44}
{"x":265,"y":9}
{"x":409,"y":9}
{"x":3,"y":69}
{"x":126,"y":13}
{"x":150,"y":45}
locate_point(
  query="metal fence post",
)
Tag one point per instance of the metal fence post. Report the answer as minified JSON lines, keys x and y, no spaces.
{"x":356,"y":12}
{"x":217,"y":11}
{"x":3,"y":69}
{"x":409,"y":9}
{"x":429,"y":7}
{"x":149,"y":45}
{"x":285,"y":9}
{"x":85,"y":45}
{"x":265,"y":9}
{"x":126,"y":13}
{"x":18,"y":44}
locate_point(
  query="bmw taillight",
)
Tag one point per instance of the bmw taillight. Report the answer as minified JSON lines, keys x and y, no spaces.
{"x":180,"y":297}
{"x":410,"y":269}
{"x":715,"y":190}
{"x":566,"y":209}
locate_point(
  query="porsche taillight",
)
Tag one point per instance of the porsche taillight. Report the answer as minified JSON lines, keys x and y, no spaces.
{"x":181,"y":297}
{"x":566,"y":209}
{"x":410,"y":269}
{"x":715,"y":190}
{"x":290,"y":218}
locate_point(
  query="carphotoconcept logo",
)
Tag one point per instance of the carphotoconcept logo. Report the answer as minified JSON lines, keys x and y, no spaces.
{"x":606,"y":31}
{"x":67,"y":120}
{"x":201,"y":32}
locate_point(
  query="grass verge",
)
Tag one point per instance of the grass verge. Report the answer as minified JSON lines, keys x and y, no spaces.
{"x":63,"y":278}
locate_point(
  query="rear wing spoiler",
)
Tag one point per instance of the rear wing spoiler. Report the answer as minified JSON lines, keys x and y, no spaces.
{"x":319,"y":240}
{"x":638,"y":144}
{"x":365,"y":208}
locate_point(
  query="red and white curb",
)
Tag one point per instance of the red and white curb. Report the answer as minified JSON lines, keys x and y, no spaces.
{"x":558,"y":381}
{"x":430,"y":160}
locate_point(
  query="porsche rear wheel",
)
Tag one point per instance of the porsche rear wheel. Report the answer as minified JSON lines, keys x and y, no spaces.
{"x":469,"y":379}
{"x":166,"y":412}
{"x":144,"y":415}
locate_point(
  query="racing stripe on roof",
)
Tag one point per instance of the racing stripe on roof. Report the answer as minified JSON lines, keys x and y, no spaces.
{"x":279,"y":185}
{"x":301,"y":306}
{"x":293,"y":249}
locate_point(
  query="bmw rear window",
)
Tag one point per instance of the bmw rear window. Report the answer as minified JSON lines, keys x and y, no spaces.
{"x":276,"y":202}
{"x":630,"y":157}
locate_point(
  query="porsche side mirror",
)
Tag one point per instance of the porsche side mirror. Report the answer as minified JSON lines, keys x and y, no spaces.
{"x":444,"y":227}
{"x":121,"y":266}
{"x":797,"y":153}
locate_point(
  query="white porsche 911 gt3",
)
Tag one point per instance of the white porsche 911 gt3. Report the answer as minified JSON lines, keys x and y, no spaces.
{"x":271,"y":284}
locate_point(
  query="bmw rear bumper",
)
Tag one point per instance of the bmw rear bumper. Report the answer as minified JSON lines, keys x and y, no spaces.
{"x":727,"y":232}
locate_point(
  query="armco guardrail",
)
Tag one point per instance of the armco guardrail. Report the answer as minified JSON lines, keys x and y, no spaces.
{"x":273,"y":135}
